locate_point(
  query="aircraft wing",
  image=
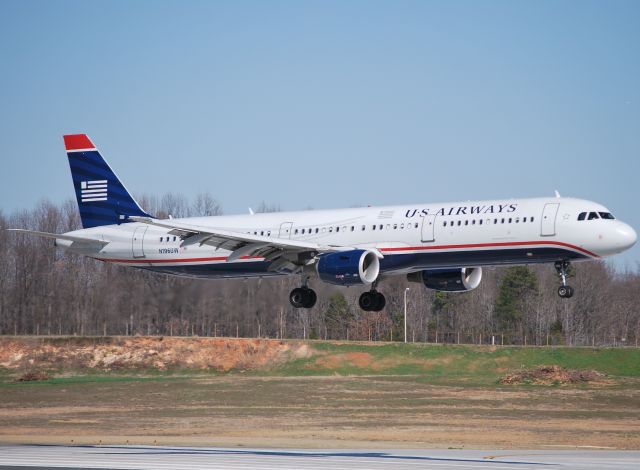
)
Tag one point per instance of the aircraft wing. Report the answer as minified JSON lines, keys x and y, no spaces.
{"x":61,"y":236}
{"x":244,"y":244}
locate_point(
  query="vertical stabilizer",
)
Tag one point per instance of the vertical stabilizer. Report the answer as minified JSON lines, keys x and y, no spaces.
{"x":102,"y":198}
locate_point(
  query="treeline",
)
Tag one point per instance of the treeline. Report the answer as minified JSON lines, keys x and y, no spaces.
{"x":46,"y":291}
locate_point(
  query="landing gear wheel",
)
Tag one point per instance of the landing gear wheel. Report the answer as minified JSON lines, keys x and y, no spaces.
{"x":310,"y":298}
{"x":566,"y":292}
{"x":367,"y":301}
{"x":381,"y":302}
{"x":303,"y":297}
{"x":372,"y":301}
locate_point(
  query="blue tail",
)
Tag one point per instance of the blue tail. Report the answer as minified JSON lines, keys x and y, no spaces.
{"x":102,"y":198}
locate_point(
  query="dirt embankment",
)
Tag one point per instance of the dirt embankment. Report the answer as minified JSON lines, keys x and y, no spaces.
{"x":551,"y":375}
{"x":159,"y":353}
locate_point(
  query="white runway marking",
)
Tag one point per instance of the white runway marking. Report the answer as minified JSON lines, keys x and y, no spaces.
{"x":151,"y":457}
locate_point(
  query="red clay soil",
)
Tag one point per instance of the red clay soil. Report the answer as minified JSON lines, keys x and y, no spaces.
{"x":159,"y":353}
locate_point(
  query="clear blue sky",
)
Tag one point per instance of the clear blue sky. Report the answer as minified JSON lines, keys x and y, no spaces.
{"x":327,"y":104}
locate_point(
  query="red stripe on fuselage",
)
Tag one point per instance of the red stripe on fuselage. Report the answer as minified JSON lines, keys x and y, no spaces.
{"x":488,"y":245}
{"x":384,"y":250}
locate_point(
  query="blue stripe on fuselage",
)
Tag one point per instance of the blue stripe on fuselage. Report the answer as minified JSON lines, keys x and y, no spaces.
{"x":389,"y":264}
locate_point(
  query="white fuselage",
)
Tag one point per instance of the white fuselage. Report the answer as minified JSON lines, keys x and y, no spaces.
{"x":411,"y":238}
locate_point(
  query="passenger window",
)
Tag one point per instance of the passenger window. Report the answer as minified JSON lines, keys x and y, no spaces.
{"x":593,"y":216}
{"x":363,"y":228}
{"x":373,"y":227}
{"x":395,"y":226}
{"x":262,"y":233}
{"x":495,"y":221}
{"x":381,"y":226}
{"x":401,"y":226}
{"x":337,"y":229}
{"x":473,"y":222}
{"x":480,"y":222}
{"x":317,"y":230}
{"x":466,"y":222}
{"x":415,"y":225}
{"x":330,"y":229}
{"x":517,"y":220}
{"x":524,"y":219}
{"x":269,"y":233}
{"x":324,"y":229}
{"x":352,"y":228}
{"x":531,"y":219}
{"x":459,"y":223}
{"x":582,"y":215}
{"x":444,"y":224}
{"x":296,"y":232}
{"x":388,"y":226}
{"x":502,"y":221}
{"x":303,"y":231}
{"x":509,"y":219}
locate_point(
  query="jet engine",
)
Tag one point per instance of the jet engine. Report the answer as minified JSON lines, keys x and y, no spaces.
{"x":348,"y":268}
{"x":448,"y":280}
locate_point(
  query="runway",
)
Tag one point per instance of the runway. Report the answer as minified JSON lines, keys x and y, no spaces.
{"x":151,"y":457}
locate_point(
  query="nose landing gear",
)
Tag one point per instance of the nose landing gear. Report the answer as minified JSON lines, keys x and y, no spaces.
{"x":564,"y":291}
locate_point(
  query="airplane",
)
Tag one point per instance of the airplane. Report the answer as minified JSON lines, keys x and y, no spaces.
{"x":443,"y":246}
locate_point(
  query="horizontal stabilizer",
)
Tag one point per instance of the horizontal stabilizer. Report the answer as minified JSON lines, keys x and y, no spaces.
{"x":60,"y":236}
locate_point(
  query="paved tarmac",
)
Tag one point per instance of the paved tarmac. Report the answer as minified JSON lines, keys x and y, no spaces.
{"x":151,"y":457}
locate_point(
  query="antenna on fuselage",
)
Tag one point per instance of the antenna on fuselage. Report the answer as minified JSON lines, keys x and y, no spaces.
{"x":557,"y":193}
{"x":251,"y":211}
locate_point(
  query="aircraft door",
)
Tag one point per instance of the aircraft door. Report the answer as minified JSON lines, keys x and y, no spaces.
{"x":548,"y":223}
{"x":428,"y":228}
{"x":137,"y":242}
{"x":285,"y":230}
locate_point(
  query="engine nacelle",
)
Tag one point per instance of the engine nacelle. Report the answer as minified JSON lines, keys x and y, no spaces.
{"x":448,"y":280}
{"x":348,"y":268}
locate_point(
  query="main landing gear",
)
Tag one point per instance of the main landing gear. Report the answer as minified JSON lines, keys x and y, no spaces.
{"x":564,"y":291}
{"x":372,"y":301}
{"x":303,"y":297}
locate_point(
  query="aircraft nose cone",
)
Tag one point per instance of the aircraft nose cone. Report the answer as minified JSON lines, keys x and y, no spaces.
{"x":627,"y":236}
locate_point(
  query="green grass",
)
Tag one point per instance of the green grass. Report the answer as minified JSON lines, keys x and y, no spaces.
{"x":477,"y":364}
{"x":428,"y":363}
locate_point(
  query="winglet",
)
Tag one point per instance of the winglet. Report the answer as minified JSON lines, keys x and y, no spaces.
{"x":78,"y":142}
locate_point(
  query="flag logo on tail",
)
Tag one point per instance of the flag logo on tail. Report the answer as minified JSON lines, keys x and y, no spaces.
{"x":92,"y":191}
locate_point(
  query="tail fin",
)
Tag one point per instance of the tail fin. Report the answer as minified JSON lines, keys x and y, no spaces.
{"x":102,"y":198}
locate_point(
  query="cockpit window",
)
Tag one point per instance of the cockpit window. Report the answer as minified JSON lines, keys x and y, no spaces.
{"x":593,"y":215}
{"x":606,"y":215}
{"x":582,"y":215}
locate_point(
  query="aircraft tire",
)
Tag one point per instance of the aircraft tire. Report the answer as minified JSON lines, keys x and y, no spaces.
{"x":309,"y":298}
{"x":565,"y":292}
{"x":297,"y":297}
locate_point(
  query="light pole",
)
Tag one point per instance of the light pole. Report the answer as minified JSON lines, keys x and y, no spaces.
{"x":405,"y":314}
